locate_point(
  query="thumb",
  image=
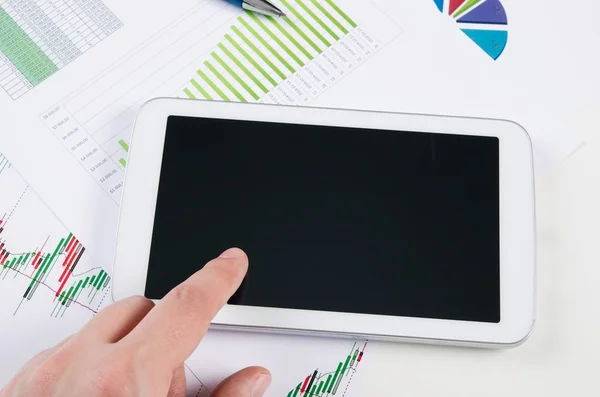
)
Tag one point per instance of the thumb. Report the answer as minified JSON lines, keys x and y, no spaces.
{"x":249,"y":382}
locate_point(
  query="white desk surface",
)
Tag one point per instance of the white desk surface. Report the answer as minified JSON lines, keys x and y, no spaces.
{"x":562,"y":356}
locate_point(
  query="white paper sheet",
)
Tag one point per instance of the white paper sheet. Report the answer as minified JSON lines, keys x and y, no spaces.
{"x":63,"y":134}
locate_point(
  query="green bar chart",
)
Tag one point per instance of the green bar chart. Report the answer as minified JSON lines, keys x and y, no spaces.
{"x":281,"y":60}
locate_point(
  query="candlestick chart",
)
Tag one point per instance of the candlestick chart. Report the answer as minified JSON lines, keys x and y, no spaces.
{"x":332,"y":382}
{"x":40,"y":260}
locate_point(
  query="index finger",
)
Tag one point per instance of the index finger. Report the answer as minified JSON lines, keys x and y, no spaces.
{"x":174,"y":328}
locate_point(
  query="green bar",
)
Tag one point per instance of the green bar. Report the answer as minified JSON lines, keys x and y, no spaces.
{"x":61,"y":244}
{"x":319,"y":388}
{"x":276,"y":39}
{"x":229,"y":86}
{"x":54,"y":254}
{"x":303,"y":35}
{"x":62,"y":297}
{"x":87,"y":279}
{"x":312,"y":389}
{"x":77,"y":288}
{"x":319,"y":21}
{"x":259,"y":52}
{"x":26,"y":258}
{"x":244,"y":69}
{"x":204,"y":93}
{"x":68,"y":296}
{"x":102,"y":280}
{"x":122,"y":162}
{"x":124,"y":145}
{"x":297,"y":389}
{"x":466,"y":7}
{"x":235,"y":75}
{"x":345,"y":364}
{"x":98,"y":278}
{"x":67,"y":241}
{"x":342,"y":13}
{"x":271,"y":50}
{"x":248,"y":57}
{"x":290,"y":37}
{"x":337,"y":372}
{"x":11,"y":263}
{"x":46,"y":258}
{"x":92,"y":280}
{"x":189,"y":93}
{"x":329,"y":16}
{"x":20,"y":259}
{"x":213,"y":85}
{"x":58,"y":247}
{"x":18,"y":47}
{"x":43,"y":265}
{"x":305,"y":22}
{"x":327,"y":382}
{"x":79,"y":284}
{"x":290,"y":393}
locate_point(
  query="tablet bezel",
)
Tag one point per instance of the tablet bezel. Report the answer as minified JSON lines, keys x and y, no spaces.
{"x":517,"y":223}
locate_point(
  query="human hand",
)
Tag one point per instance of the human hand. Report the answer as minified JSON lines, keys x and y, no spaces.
{"x":136,"y":348}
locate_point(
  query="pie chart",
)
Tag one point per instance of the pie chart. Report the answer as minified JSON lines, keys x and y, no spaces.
{"x":483,"y":21}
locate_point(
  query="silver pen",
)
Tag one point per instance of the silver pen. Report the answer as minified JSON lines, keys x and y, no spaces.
{"x":260,"y":6}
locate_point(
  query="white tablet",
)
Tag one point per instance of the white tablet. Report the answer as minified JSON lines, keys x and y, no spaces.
{"x":362,"y":224}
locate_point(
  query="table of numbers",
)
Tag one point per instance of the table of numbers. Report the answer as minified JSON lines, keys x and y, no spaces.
{"x":39,"y":37}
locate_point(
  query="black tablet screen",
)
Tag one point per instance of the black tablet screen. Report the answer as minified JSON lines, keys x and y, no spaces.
{"x":336,"y":219}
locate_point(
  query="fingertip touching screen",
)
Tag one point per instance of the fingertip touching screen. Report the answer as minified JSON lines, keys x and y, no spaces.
{"x":333,"y":218}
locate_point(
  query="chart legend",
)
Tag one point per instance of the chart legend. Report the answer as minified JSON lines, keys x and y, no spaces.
{"x":40,"y":37}
{"x":41,"y":263}
{"x":483,"y":21}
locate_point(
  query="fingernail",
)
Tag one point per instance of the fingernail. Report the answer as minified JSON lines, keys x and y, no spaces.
{"x":232,"y":253}
{"x":261,"y":385}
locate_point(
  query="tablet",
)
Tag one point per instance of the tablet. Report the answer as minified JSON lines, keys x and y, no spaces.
{"x":378,"y":225}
